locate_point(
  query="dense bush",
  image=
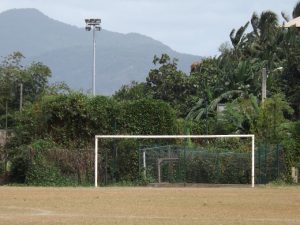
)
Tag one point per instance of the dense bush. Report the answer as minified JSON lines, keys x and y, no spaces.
{"x":57,"y":134}
{"x":147,"y":116}
{"x":32,"y":166}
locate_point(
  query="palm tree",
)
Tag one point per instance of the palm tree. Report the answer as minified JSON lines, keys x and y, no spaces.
{"x":263,"y":41}
{"x":264,"y":25}
{"x":296,"y":11}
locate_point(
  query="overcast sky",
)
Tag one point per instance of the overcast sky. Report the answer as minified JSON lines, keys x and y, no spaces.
{"x":189,"y":26}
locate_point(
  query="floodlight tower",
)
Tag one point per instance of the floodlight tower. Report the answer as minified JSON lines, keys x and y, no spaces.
{"x":93,"y":24}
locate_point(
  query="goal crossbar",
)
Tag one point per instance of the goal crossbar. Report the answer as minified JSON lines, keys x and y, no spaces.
{"x":252,"y":136}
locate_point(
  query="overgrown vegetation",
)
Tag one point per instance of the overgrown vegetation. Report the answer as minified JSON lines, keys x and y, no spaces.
{"x":53,"y":127}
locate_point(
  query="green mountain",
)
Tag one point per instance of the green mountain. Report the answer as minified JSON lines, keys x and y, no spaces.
{"x":67,"y":50}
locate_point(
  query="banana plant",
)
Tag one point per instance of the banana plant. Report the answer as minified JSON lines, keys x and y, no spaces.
{"x":200,"y":109}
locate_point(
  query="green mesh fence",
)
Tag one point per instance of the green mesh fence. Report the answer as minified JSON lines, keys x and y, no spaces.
{"x":180,"y":161}
{"x":269,"y":164}
{"x":178,"y":164}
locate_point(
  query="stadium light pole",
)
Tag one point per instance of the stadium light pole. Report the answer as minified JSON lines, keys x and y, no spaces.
{"x":93,"y":24}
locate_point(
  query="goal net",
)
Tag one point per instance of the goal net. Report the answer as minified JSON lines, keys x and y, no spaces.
{"x":209,"y":159}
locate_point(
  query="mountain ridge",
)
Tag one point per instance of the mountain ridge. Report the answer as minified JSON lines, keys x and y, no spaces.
{"x":67,"y":50}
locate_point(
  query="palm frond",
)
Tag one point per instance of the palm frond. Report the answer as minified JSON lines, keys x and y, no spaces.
{"x":199,"y":109}
{"x":285,"y":17}
{"x":255,"y":23}
{"x":236,"y":37}
{"x":227,"y":95}
{"x":195,"y":110}
{"x":296,"y":11}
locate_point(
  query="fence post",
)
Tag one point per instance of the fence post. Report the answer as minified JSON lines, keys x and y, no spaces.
{"x":259,"y":163}
{"x":184,"y":156}
{"x":106,"y":158}
{"x":277,"y":155}
{"x":266,"y":164}
{"x":139,"y":154}
{"x":144,"y":163}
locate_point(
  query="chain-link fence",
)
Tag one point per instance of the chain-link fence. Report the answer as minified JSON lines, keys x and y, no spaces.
{"x":270,"y":164}
{"x":178,"y":164}
{"x":182,"y":162}
{"x":135,"y":162}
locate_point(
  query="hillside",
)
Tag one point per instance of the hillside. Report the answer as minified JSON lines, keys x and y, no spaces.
{"x":67,"y":50}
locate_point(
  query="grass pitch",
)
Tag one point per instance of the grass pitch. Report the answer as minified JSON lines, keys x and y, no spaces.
{"x":30,"y":205}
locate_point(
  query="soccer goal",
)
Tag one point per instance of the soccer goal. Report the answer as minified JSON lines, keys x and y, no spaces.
{"x":218,"y":159}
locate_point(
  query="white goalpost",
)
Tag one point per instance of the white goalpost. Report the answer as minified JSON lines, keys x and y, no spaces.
{"x":251,"y":136}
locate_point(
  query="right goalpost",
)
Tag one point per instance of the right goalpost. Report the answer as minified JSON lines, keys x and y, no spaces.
{"x":167,"y":150}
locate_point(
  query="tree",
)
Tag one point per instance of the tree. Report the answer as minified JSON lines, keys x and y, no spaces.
{"x":169,"y":84}
{"x":34,"y":79}
{"x":133,"y":91}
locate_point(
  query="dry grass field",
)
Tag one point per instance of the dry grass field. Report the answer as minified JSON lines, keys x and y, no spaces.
{"x":30,"y":205}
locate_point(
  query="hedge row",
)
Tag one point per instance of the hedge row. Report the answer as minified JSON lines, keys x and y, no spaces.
{"x":70,"y":122}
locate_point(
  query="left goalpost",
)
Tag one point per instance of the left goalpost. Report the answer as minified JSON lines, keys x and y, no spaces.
{"x":251,"y":136}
